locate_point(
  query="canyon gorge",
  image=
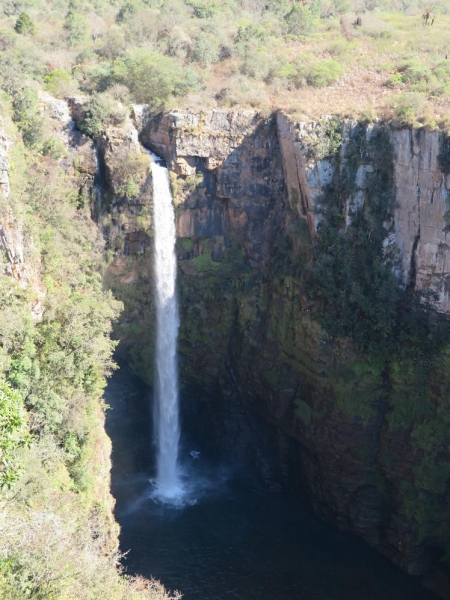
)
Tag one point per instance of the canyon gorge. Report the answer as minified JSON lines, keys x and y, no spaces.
{"x":334,"y":406}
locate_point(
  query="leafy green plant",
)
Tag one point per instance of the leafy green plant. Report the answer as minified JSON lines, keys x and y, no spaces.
{"x":151,"y":77}
{"x":24,"y":25}
{"x":323,"y":73}
{"x":13,"y":434}
{"x":408,"y":106}
{"x":59,"y":83}
{"x":101,"y":112}
{"x":300,"y":21}
{"x":77,"y":27}
{"x":206,"y":49}
{"x":27,"y":116}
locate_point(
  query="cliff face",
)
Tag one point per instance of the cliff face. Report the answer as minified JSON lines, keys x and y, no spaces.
{"x":363,"y":440}
{"x":422,"y":185}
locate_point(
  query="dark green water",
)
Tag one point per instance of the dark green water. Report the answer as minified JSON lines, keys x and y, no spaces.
{"x":236,"y":541}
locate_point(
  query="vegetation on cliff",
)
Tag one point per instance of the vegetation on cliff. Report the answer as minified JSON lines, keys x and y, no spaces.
{"x":58,"y":536}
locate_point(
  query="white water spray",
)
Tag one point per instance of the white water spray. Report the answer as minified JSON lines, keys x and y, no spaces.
{"x":167,"y":429}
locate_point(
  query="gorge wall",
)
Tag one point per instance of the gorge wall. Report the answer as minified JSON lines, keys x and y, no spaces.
{"x":359,"y":433}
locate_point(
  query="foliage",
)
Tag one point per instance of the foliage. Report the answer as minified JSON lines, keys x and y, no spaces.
{"x":77,"y":27}
{"x":24,"y":25}
{"x":203,"y":9}
{"x":354,"y":267}
{"x":328,"y":138}
{"x":53,"y":374}
{"x":59,"y":83}
{"x":206,"y":49}
{"x":323,"y":73}
{"x":102,"y":43}
{"x":27,"y":116}
{"x":300,"y":21}
{"x":13,"y":434}
{"x":101,"y":111}
{"x":408,"y":106}
{"x":151,"y":77}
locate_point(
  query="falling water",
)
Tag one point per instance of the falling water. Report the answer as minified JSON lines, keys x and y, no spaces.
{"x":167,"y":429}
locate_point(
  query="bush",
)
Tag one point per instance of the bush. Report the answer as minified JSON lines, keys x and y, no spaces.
{"x":27,"y":116}
{"x":408,"y":106}
{"x":150,"y":77}
{"x":179,"y":43}
{"x":99,"y":77}
{"x":24,"y":25}
{"x":128,"y":10}
{"x":203,"y":9}
{"x":13,"y":434}
{"x":206,"y":49}
{"x":300,"y":21}
{"x":77,"y":27}
{"x":59,"y":83}
{"x":323,"y":73}
{"x":413,"y":72}
{"x":101,"y":111}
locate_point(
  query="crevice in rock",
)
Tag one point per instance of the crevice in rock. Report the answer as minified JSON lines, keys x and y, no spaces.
{"x":413,"y":266}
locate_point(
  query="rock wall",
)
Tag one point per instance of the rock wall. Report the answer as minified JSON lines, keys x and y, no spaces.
{"x":357,"y":439}
{"x":421,"y":197}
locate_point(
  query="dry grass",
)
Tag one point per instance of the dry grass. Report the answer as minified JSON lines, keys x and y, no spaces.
{"x":370,"y":55}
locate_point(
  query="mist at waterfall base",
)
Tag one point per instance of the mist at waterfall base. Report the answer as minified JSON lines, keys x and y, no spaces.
{"x":234,"y":538}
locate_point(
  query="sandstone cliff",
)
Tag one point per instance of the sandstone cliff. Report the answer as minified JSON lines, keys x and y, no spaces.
{"x":362,"y":440}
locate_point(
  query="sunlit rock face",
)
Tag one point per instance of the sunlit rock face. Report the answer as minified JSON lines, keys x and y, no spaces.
{"x":422,"y":188}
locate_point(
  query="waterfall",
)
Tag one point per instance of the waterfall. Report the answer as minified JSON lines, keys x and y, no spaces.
{"x":167,"y":430}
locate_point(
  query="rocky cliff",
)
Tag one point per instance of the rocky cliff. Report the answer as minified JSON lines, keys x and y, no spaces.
{"x":356,"y":429}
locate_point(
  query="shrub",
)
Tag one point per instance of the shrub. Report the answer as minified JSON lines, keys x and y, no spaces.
{"x":413,"y":72}
{"x":27,"y":117}
{"x":206,"y":49}
{"x":77,"y":27}
{"x":150,"y":77}
{"x":250,"y":32}
{"x":323,"y":73}
{"x":130,"y":170}
{"x":24,"y":25}
{"x":101,"y":111}
{"x":59,"y":83}
{"x":179,"y":43}
{"x":300,"y":21}
{"x":341,"y":6}
{"x":99,"y":77}
{"x":408,"y":106}
{"x":128,"y":10}
{"x":13,"y":434}
{"x":203,"y":9}
{"x":54,"y":148}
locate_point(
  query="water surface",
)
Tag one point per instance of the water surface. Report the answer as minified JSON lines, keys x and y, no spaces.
{"x":238,"y":540}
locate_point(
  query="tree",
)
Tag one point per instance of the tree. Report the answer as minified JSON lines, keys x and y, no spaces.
{"x":151,"y":77}
{"x":24,"y":25}
{"x":77,"y":27}
{"x":300,"y":21}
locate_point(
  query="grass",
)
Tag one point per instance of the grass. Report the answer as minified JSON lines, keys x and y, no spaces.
{"x":256,"y":59}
